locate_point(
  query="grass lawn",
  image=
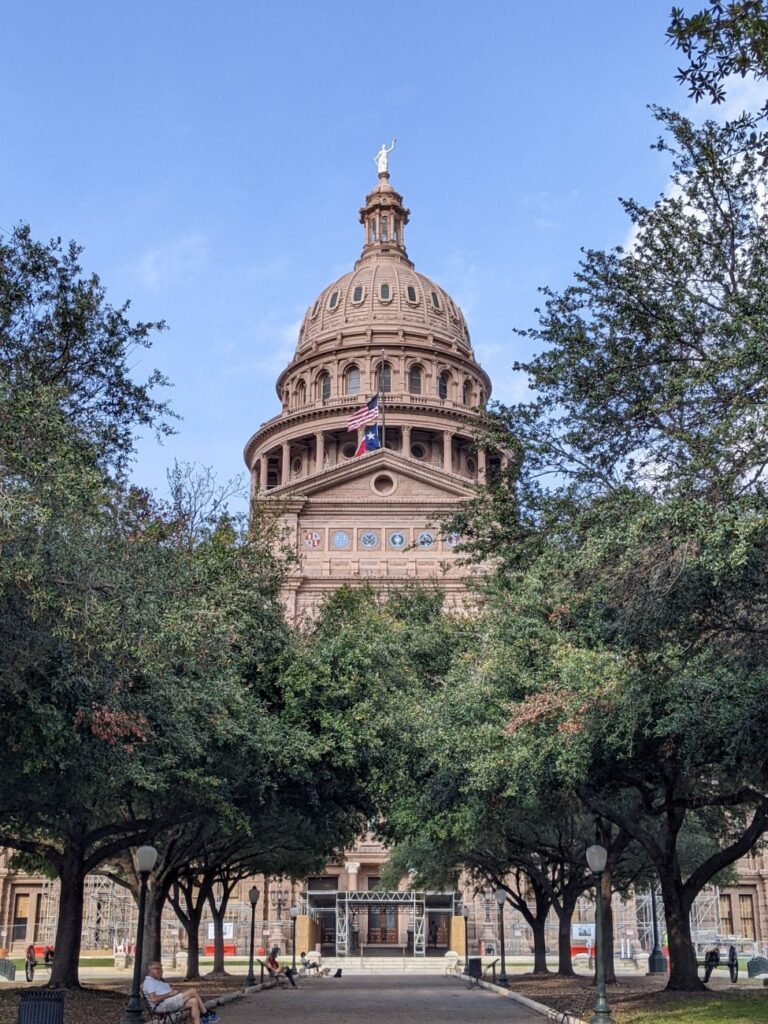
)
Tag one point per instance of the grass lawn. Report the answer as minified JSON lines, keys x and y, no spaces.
{"x":747,"y":1008}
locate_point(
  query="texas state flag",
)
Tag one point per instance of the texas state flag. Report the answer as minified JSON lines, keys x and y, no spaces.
{"x":370,"y":440}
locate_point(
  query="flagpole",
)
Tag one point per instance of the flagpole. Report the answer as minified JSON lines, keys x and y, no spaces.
{"x":383,"y":421}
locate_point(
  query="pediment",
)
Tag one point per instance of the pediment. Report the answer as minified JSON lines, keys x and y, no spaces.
{"x":362,"y":479}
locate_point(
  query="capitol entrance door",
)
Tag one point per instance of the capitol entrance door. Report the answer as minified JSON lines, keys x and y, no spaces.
{"x":382,"y":926}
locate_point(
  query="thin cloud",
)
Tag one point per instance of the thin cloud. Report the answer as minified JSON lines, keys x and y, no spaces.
{"x":178,"y":262}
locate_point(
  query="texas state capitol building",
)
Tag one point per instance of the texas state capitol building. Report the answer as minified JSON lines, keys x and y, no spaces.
{"x":381,"y":328}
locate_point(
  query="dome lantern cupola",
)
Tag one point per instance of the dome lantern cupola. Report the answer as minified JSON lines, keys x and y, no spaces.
{"x":384,"y":218}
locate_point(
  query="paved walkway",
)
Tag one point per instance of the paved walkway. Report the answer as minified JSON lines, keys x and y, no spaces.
{"x":403,"y":999}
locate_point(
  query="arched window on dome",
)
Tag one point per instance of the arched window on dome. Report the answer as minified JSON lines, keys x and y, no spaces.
{"x":324,"y":386}
{"x":442,"y":384}
{"x":396,"y":229}
{"x":414,"y":380}
{"x":286,"y":396}
{"x":372,"y":229}
{"x":352,"y":380}
{"x":467,"y":393}
{"x":384,"y":378}
{"x":384,"y":229}
{"x":301,"y":393}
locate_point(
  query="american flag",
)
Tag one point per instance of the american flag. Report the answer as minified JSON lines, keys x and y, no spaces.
{"x":365,"y":414}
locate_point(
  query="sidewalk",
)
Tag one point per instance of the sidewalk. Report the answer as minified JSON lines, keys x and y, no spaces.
{"x":403,"y":999}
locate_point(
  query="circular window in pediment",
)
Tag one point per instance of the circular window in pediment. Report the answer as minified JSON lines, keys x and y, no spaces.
{"x":383,"y":483}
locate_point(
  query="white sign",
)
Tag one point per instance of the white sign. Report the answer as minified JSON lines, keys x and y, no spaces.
{"x":228,"y":927}
{"x":582,"y":931}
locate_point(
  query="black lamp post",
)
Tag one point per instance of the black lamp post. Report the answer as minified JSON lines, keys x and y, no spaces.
{"x":657,"y":962}
{"x":294,"y":915}
{"x":253,"y":896}
{"x":501,"y":899}
{"x":596,"y":859}
{"x":465,"y":915}
{"x":146,"y":857}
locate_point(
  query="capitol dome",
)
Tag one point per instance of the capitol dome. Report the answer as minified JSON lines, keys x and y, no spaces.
{"x":382,"y":328}
{"x":383,"y":289}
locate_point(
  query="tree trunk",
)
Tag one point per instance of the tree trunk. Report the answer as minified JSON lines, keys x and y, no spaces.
{"x":218,"y":914}
{"x":564,"y":917}
{"x":538,"y":926}
{"x":156,"y":897}
{"x":608,"y":963}
{"x":64,"y":973}
{"x":565,"y":963}
{"x":683,"y":969}
{"x":192,"y":928}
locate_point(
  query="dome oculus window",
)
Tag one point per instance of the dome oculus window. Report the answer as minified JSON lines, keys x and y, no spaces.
{"x":352,"y":380}
{"x":435,"y":300}
{"x":418,"y":451}
{"x":333,"y":301}
{"x":385,"y":293}
{"x":348,"y":451}
{"x":357,"y":294}
{"x":412,"y":296}
{"x":414,"y":380}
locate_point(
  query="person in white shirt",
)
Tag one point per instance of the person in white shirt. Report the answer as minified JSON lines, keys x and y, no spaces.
{"x":163,"y":997}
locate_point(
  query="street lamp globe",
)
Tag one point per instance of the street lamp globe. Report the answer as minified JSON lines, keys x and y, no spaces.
{"x":146,"y":858}
{"x":597,"y":857}
{"x":501,"y":896}
{"x":253,"y":895}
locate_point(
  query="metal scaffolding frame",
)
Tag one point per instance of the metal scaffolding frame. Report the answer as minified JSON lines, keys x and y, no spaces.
{"x":346,"y":905}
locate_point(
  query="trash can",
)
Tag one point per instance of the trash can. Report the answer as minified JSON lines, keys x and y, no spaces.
{"x":757,"y":965}
{"x":41,"y":1006}
{"x":475,"y":966}
{"x":7,"y":969}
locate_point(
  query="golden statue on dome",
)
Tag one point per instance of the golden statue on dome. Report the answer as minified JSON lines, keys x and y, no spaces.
{"x":381,"y":157}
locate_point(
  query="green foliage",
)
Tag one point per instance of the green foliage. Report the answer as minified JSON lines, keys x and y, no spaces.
{"x":720,"y":40}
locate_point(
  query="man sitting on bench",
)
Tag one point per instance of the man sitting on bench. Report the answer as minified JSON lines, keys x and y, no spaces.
{"x":165,"y":999}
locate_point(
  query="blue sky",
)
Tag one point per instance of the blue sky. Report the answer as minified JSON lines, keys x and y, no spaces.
{"x":212,"y":157}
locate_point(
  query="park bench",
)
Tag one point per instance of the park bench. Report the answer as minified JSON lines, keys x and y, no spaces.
{"x":274,"y":977}
{"x":713,"y":959}
{"x":168,"y":1016}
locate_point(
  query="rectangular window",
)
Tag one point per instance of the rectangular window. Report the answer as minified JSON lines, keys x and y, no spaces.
{"x":357,"y":294}
{"x":726,"y":914}
{"x":20,"y":918}
{"x":411,"y":293}
{"x":747,"y":915}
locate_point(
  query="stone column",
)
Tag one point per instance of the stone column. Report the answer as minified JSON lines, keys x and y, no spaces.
{"x":352,"y":867}
{"x":406,"y":432}
{"x":286,"y":471}
{"x":319,"y":450}
{"x":481,"y":459}
{"x":448,"y":451}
